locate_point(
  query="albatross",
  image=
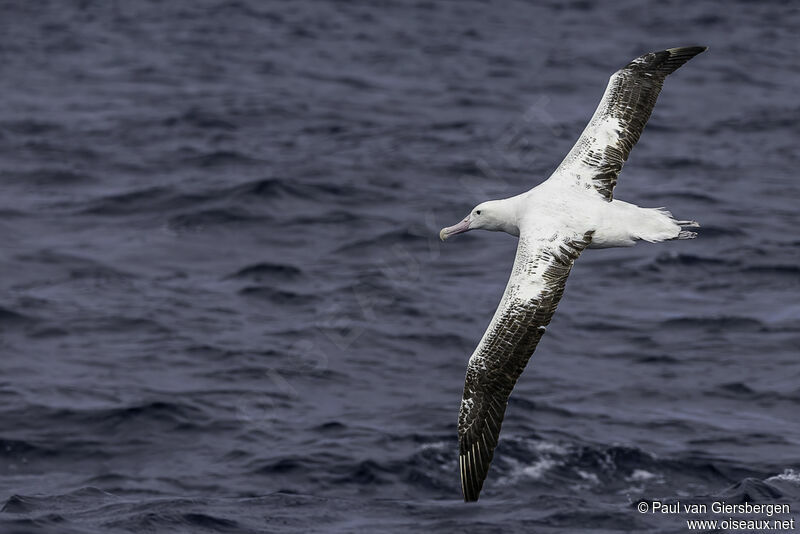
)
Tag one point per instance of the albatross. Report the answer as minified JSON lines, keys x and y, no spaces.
{"x":572,"y":210}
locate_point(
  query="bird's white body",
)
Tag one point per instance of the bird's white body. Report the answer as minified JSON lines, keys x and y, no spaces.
{"x":615,"y":223}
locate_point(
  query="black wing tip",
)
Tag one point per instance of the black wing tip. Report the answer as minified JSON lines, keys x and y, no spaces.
{"x":684,"y":53}
{"x":471,"y":482}
{"x":665,"y":62}
{"x":693,"y":50}
{"x":474,"y":462}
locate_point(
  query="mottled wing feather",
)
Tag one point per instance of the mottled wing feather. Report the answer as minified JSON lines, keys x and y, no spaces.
{"x":597,"y":158}
{"x":536,"y":284}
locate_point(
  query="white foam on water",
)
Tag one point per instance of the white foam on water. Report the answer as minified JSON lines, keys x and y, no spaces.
{"x":789,"y":475}
{"x":641,"y":475}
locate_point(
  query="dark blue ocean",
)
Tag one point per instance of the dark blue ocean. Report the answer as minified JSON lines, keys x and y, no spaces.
{"x":224,"y":307}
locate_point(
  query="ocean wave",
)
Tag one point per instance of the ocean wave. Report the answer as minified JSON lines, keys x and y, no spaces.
{"x":277,"y":296}
{"x":685,"y":259}
{"x":170,"y":516}
{"x":791,"y":271}
{"x":13,"y":318}
{"x":196,"y":117}
{"x":108,"y":422}
{"x":752,"y":490}
{"x":222,"y":158}
{"x":263,"y":271}
{"x":30,"y":127}
{"x":202,"y":219}
{"x":55,"y":178}
{"x":275,"y":188}
{"x":717,"y":324}
{"x":789,"y":476}
{"x":154,"y":199}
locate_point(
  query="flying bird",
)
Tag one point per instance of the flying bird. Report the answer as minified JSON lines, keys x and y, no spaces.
{"x":572,"y":210}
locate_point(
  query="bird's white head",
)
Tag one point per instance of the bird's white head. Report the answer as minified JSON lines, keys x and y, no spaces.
{"x":494,"y":215}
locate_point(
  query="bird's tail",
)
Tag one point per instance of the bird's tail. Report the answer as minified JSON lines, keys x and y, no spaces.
{"x":686,"y":234}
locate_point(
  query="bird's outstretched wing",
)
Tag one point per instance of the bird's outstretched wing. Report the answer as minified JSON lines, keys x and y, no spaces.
{"x":606,"y":142}
{"x":541,"y":267}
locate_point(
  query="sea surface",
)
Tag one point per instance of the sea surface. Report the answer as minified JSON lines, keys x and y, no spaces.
{"x":224,"y":306}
